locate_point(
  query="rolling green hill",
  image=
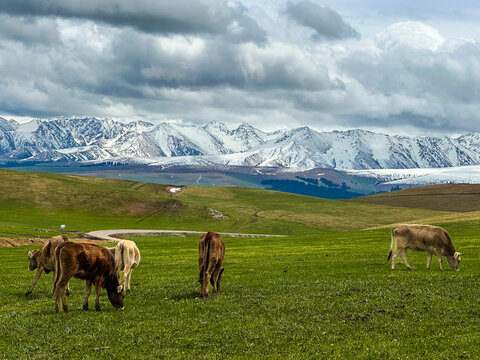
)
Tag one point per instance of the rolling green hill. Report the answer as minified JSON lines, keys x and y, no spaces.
{"x":324,"y":291}
{"x":44,"y":201}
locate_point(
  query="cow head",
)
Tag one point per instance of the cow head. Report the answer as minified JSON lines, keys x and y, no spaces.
{"x":115,"y":291}
{"x":454,"y":261}
{"x":32,"y":256}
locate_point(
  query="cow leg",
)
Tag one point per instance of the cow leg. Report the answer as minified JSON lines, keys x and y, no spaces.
{"x":60,"y":294}
{"x":208,"y":275}
{"x":68,"y":285}
{"x":216,"y":276}
{"x":98,"y":288}
{"x":64,"y":299}
{"x":394,"y":258}
{"x":439,"y":257}
{"x":429,"y":259}
{"x":403,"y":255}
{"x":126,"y":277}
{"x":37,"y":276}
{"x":88,"y":290}
{"x":200,"y":270}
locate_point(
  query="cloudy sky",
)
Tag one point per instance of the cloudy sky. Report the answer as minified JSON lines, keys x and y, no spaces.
{"x":397,"y":66}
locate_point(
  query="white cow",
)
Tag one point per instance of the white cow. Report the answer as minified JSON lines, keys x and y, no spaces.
{"x":127,"y":257}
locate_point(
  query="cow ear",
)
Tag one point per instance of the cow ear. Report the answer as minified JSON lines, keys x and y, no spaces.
{"x":120,"y":288}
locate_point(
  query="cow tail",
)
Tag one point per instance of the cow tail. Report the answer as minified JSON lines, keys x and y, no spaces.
{"x":207,"y":254}
{"x":119,"y":257}
{"x":131,"y":253}
{"x":57,"y":266}
{"x":206,"y":258}
{"x":391,"y":244}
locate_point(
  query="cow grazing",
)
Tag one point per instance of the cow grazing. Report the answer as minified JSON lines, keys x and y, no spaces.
{"x":211,"y":251}
{"x":127,"y":257}
{"x":432,"y":239}
{"x":43,"y":260}
{"x":94,"y":264}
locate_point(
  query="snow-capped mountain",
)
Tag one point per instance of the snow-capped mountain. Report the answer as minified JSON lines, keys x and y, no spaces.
{"x":92,"y":139}
{"x":462,"y":174}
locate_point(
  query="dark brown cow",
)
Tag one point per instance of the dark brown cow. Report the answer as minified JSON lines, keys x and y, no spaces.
{"x":211,"y":252}
{"x":432,"y":239}
{"x":43,"y":260}
{"x":94,"y":264}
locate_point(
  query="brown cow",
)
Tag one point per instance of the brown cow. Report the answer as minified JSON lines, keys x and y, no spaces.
{"x":211,"y":252}
{"x":127,"y":257}
{"x":432,"y":239}
{"x":92,"y":263}
{"x":43,"y":260}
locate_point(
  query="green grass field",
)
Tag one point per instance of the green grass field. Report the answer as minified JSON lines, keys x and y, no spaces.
{"x":324,"y":291}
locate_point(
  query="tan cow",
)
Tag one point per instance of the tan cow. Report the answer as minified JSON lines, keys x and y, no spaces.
{"x":211,"y":251}
{"x":92,"y":263}
{"x":127,"y":257}
{"x":43,"y":260}
{"x":432,"y":239}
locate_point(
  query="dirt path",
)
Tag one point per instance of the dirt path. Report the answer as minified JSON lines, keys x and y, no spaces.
{"x":11,"y":242}
{"x":116,"y":235}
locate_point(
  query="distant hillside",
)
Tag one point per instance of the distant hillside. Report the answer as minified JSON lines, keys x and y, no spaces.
{"x":42,"y":202}
{"x":458,"y":198}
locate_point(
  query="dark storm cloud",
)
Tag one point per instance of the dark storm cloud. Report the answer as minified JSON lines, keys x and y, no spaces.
{"x":327,"y":23}
{"x":169,"y":17}
{"x":57,"y":58}
{"x":205,"y":63}
{"x":29,"y":30}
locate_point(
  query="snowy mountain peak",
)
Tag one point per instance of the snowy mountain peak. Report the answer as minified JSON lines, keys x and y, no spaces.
{"x":215,"y":143}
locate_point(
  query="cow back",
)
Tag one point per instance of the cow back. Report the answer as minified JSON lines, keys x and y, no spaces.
{"x":424,"y":236}
{"x":86,"y":261}
{"x":46,"y":254}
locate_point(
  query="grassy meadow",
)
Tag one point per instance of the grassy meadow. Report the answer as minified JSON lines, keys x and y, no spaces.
{"x":323,"y":291}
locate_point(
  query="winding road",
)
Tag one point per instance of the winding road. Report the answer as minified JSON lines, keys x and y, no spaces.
{"x":115,"y":235}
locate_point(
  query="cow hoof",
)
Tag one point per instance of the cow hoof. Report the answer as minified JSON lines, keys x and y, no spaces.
{"x":85,"y":307}
{"x":67,"y":292}
{"x":28,"y":293}
{"x":97,"y":308}
{"x":65,"y":309}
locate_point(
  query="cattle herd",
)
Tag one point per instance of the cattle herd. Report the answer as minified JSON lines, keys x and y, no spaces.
{"x":101,"y":266}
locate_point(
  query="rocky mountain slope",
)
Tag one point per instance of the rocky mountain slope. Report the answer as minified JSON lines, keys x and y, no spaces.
{"x":93,"y":139}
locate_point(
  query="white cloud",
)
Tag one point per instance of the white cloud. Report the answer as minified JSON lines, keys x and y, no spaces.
{"x":410,"y":75}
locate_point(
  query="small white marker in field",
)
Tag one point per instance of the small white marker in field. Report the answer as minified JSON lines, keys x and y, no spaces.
{"x":62,"y":226}
{"x":175,"y":189}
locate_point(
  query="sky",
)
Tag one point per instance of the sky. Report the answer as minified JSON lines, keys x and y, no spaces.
{"x":397,"y":66}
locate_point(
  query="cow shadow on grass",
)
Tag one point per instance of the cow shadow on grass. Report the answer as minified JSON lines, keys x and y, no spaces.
{"x":35,"y":295}
{"x":179,"y":297}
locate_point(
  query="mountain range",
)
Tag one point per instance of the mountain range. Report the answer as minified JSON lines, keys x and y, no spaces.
{"x":89,"y":139}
